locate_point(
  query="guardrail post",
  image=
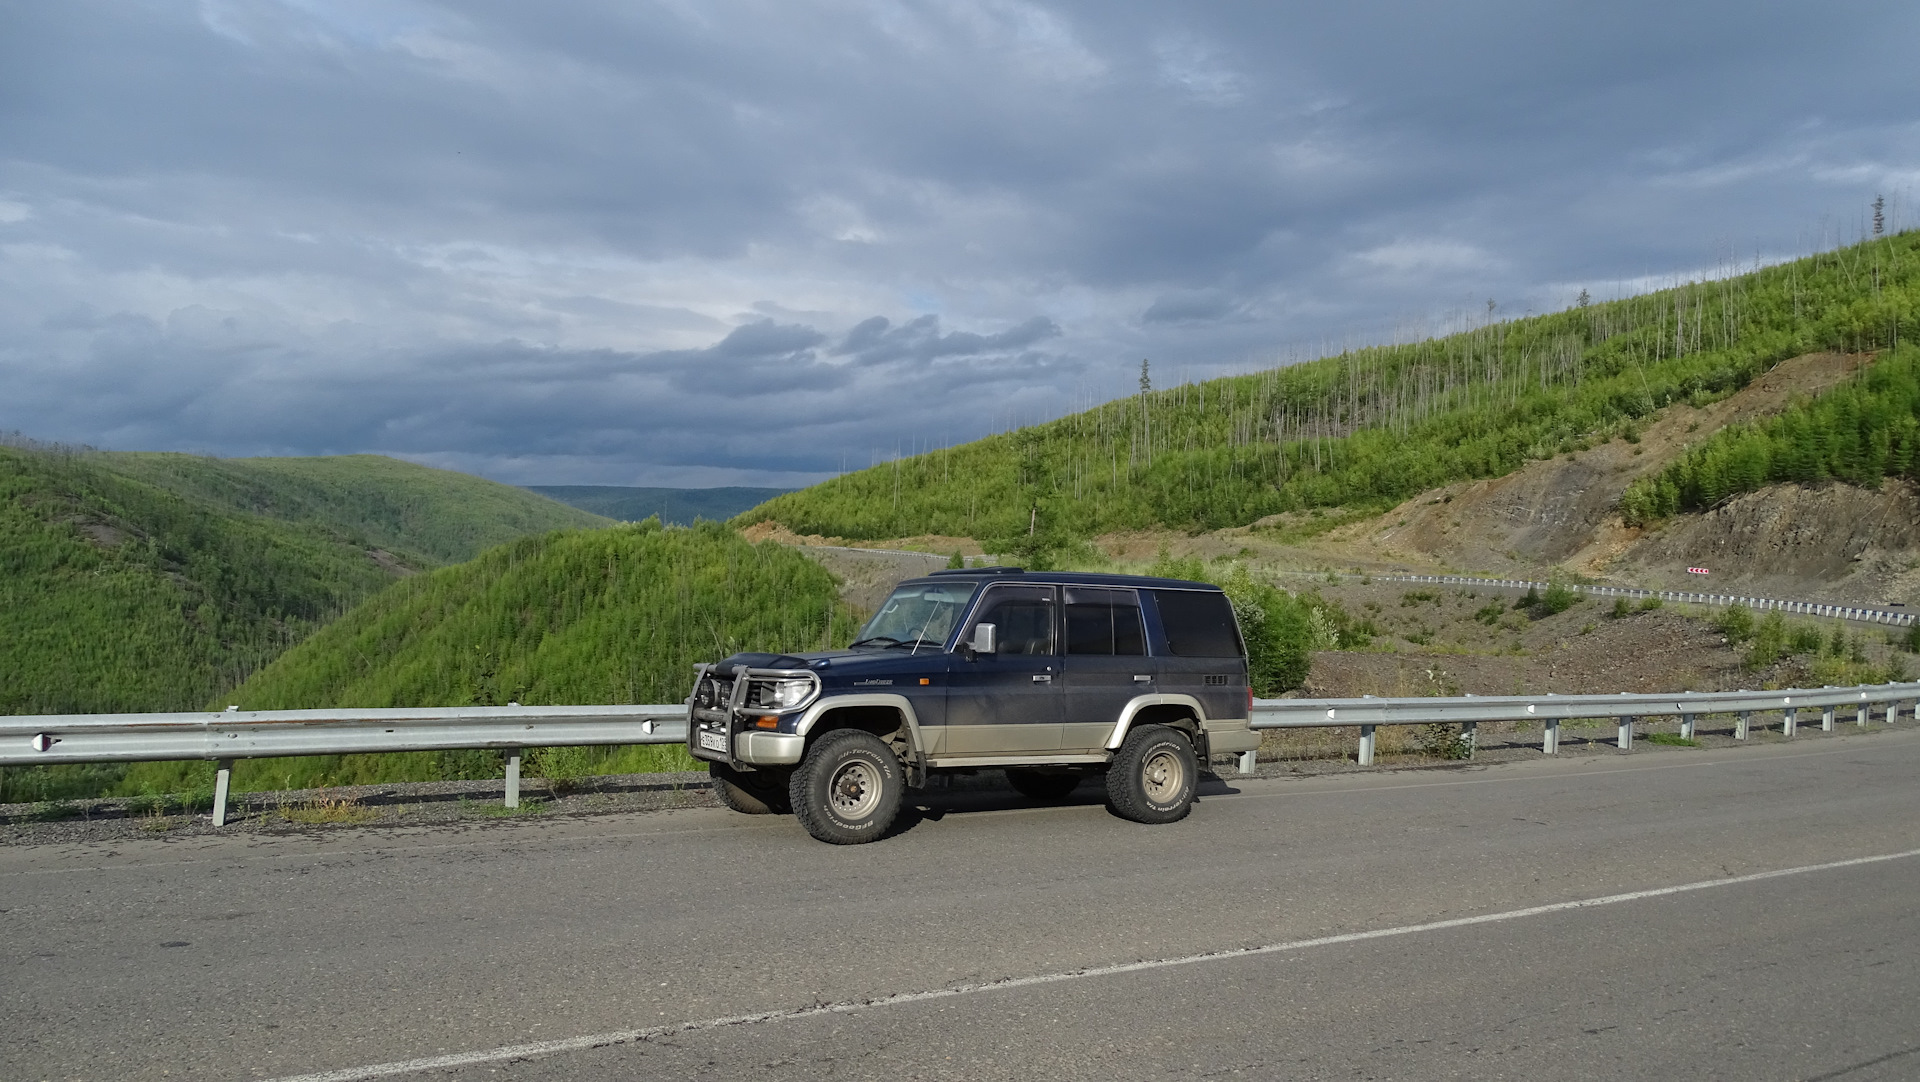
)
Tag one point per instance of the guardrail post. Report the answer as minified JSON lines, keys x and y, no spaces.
{"x":1470,"y":733}
{"x":513,"y":777}
{"x":1686,"y":726}
{"x":1248,"y":761}
{"x":1787,"y":721}
{"x":1862,"y":719}
{"x":1366,"y":745}
{"x":222,"y":779}
{"x":1550,"y":737}
{"x":1826,"y":719}
{"x":1626,"y":734}
{"x":1740,"y":725}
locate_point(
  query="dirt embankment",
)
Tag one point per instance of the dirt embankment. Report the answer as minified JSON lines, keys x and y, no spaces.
{"x":1832,"y":543}
{"x":1562,"y":511}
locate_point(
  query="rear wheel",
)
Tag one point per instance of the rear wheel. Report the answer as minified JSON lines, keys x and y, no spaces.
{"x":758,"y":792}
{"x":847,"y":788}
{"x":1039,"y":785}
{"x":1152,"y":778}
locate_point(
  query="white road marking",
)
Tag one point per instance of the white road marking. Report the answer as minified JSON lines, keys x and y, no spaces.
{"x":508,"y":1053}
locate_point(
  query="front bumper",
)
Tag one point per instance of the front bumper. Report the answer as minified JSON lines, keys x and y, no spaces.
{"x":724,"y":721}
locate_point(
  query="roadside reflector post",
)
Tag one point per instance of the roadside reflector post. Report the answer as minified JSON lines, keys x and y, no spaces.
{"x":1826,"y":720}
{"x":1787,"y":721}
{"x":1740,"y":722}
{"x":1248,"y":761}
{"x":1626,"y":734}
{"x":513,"y":777}
{"x":1470,"y":734}
{"x":1366,"y":745}
{"x":1686,"y":726}
{"x":222,"y":779}
{"x":1550,"y":737}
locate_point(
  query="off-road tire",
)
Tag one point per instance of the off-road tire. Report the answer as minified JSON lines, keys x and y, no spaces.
{"x":847,"y":788}
{"x":1040,"y":785}
{"x":1152,"y":778}
{"x":761,"y":792}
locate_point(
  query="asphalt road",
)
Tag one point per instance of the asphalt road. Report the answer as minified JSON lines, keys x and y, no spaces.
{"x":337,"y":951}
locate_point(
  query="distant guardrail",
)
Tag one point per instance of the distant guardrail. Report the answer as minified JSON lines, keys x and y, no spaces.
{"x":1863,"y":613}
{"x":232,"y":735}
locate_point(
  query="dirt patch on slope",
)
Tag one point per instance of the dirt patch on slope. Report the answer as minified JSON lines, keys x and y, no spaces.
{"x":1562,"y":511}
{"x":1832,"y":543}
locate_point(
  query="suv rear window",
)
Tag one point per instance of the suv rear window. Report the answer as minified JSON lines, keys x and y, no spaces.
{"x":1103,"y":622}
{"x":1198,"y":624}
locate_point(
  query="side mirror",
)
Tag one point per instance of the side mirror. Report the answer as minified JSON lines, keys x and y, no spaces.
{"x":984,"y":639}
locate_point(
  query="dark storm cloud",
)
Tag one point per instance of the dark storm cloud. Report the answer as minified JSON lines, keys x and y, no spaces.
{"x":615,"y":241}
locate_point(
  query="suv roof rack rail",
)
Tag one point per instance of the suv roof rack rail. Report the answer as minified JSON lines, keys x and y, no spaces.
{"x":980,"y":571}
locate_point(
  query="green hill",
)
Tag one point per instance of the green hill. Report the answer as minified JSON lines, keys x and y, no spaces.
{"x":673,"y":506}
{"x":603,"y":616}
{"x":133,"y":582}
{"x":1371,"y":427}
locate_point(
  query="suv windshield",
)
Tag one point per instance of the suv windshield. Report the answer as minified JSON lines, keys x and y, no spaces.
{"x":917,"y":615}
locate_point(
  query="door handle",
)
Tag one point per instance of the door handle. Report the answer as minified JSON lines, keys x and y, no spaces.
{"x":1042,"y":678}
{"x":1142,"y":678}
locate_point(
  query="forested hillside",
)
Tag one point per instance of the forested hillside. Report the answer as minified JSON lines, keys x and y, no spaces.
{"x":604,"y":616}
{"x":155,"y":582}
{"x":1370,"y":427}
{"x":1859,"y":432}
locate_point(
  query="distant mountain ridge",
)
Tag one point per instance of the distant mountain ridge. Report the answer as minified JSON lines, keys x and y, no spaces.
{"x":675,"y":506}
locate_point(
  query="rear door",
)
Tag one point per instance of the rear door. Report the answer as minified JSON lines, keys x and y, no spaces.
{"x":1204,"y":655}
{"x":1106,"y":662}
{"x":1008,"y":702}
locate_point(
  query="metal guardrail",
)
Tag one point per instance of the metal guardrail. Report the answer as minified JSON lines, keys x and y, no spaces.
{"x":1469,"y":711}
{"x":48,"y":739}
{"x":40,"y":740}
{"x":1862,"y":613}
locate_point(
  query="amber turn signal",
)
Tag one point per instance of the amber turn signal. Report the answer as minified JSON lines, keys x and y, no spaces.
{"x":768,"y":722}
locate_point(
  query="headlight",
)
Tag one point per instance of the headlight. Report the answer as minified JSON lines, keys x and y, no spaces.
{"x":703,"y":694}
{"x":786,"y":694}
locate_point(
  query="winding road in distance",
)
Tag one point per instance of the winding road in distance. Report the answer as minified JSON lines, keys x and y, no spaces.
{"x":1603,"y":916}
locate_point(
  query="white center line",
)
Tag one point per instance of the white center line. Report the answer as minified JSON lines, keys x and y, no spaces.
{"x":530,"y":1050}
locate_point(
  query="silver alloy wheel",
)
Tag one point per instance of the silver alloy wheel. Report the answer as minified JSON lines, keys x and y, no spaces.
{"x":855,"y":789}
{"x":1164,"y":774}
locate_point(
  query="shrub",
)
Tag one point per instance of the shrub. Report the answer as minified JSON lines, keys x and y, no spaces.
{"x":1735,"y":622}
{"x":1559,"y":598}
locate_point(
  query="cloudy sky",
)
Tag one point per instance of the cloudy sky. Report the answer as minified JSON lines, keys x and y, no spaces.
{"x":706,"y":242}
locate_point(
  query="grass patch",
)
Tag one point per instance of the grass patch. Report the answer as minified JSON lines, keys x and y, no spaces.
{"x":1672,"y":740}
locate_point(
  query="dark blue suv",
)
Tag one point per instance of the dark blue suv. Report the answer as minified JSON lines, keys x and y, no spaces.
{"x":1050,"y":676}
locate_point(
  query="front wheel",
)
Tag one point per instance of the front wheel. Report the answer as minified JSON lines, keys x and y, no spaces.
{"x":1152,"y":778}
{"x":847,"y":788}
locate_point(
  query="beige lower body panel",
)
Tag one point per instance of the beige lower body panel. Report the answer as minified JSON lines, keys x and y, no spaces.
{"x":1037,"y":737}
{"x":1228,"y":736}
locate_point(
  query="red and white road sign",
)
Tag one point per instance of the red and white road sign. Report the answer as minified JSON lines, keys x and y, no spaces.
{"x":1696,"y":570}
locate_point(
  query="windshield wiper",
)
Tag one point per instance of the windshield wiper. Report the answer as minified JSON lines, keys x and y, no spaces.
{"x":918,"y":643}
{"x":877,"y":640}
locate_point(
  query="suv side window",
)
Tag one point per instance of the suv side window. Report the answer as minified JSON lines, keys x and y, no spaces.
{"x":1198,"y":623}
{"x":1104,"y":622}
{"x":1023,"y":616}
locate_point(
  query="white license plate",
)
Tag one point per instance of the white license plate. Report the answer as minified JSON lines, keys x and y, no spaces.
{"x":713,"y":741}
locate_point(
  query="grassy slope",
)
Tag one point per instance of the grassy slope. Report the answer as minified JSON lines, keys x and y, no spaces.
{"x":1369,"y":428}
{"x":674,"y":506}
{"x":604,"y":616}
{"x":153,"y":582}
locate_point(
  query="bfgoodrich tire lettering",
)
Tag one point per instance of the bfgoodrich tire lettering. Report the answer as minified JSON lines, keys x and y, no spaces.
{"x":1152,"y":778}
{"x":847,"y":788}
{"x":762,"y":792}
